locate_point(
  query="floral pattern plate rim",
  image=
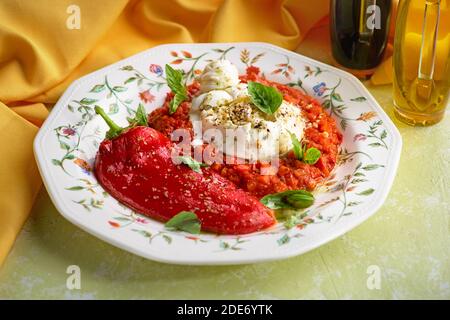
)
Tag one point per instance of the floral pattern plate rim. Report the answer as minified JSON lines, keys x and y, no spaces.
{"x":65,"y":148}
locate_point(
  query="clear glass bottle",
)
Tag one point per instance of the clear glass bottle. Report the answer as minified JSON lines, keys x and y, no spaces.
{"x":421,"y":61}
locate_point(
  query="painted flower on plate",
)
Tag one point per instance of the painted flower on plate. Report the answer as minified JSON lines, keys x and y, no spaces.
{"x":359,"y":137}
{"x":319,"y":88}
{"x":68,"y":131}
{"x":156,"y":69}
{"x":146,"y":96}
{"x":367,"y":116}
{"x":83,"y":164}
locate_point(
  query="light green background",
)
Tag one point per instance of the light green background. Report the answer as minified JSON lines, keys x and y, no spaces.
{"x":408,"y":239}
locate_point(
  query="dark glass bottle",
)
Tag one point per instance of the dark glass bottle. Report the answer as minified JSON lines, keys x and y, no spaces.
{"x":359,"y":31}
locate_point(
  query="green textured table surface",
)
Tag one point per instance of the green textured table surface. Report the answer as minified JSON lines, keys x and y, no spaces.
{"x":408,"y":239}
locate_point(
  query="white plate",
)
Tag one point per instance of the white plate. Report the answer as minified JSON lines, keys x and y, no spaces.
{"x":68,"y":141}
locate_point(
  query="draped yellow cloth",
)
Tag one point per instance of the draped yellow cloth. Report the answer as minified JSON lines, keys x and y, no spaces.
{"x":40,"y":56}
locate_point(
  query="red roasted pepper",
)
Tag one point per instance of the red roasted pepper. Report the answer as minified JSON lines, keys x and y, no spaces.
{"x":137,"y":169}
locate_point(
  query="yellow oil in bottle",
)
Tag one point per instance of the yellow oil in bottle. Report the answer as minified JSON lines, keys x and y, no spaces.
{"x":422,"y":61}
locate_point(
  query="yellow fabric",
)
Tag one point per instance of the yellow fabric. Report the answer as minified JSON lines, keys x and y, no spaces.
{"x":19,"y":178}
{"x":40,"y":57}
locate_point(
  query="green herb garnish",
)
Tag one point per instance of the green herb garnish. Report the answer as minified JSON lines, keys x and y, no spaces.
{"x":290,"y":217}
{"x":175,"y":82}
{"x":311,"y":156}
{"x":140,"y":118}
{"x":267,"y":99}
{"x":184,"y":221}
{"x":292,"y":199}
{"x":192,"y":163}
{"x":114,"y":129}
{"x":298,"y":148}
{"x":290,"y":222}
{"x":307,"y":155}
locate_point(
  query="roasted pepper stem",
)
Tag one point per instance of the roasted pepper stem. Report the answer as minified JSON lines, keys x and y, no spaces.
{"x":114,"y":129}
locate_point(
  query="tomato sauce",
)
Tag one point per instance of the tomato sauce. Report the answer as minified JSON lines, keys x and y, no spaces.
{"x":320,"y":132}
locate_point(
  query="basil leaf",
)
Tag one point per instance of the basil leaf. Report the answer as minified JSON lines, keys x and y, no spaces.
{"x":307,"y":155}
{"x":184,"y":221}
{"x":297,"y":147}
{"x":274,"y":201}
{"x":140,"y":118}
{"x":293,"y":199}
{"x":176,"y":101}
{"x":174,"y":80}
{"x":192,"y":163}
{"x":267,"y":99}
{"x":300,"y":200}
{"x":312,"y":155}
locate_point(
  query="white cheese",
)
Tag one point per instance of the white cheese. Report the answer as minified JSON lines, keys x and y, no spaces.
{"x":218,"y":74}
{"x":223,"y":114}
{"x":244,"y":131}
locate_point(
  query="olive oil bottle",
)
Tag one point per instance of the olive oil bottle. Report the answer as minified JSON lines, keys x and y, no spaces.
{"x":422,"y":61}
